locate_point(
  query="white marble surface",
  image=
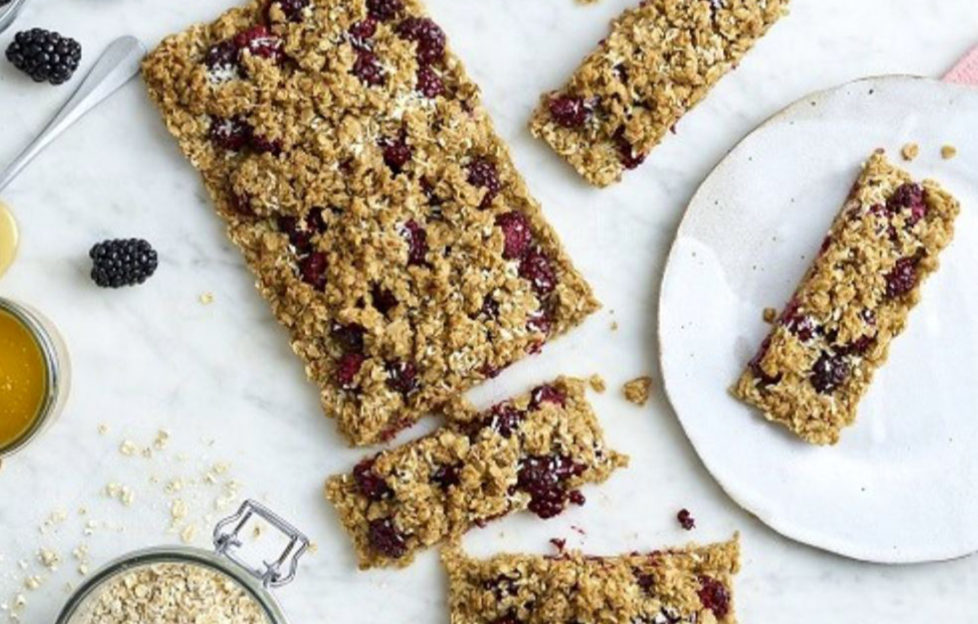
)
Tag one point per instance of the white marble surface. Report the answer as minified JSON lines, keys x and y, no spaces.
{"x":155,"y":357}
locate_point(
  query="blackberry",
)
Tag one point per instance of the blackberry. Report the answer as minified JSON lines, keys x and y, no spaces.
{"x":122,"y":262}
{"x":44,"y":55}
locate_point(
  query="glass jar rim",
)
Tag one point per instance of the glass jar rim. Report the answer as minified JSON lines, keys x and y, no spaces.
{"x":180,"y":555}
{"x":31,"y":321}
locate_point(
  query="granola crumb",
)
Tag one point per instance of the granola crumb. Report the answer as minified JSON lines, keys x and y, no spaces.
{"x":128,"y":448}
{"x":614,"y":325}
{"x":188,"y":533}
{"x":948,"y":152}
{"x":597,"y":383}
{"x":48,"y":558}
{"x":770,"y":314}
{"x":638,"y":391}
{"x":910,"y":151}
{"x":103,"y":429}
{"x":206,"y":298}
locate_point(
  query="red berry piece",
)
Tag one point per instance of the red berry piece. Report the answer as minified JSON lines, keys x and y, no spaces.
{"x":483,"y":174}
{"x":569,"y":112}
{"x":516,"y":232}
{"x":902,"y":279}
{"x":829,"y":372}
{"x":367,"y":68}
{"x":384,"y":10}
{"x":505,"y":419}
{"x":347,"y":368}
{"x":313,"y":270}
{"x":429,"y":84}
{"x":490,"y":307}
{"x":299,"y":237}
{"x":860,"y":345}
{"x":417,"y":240}
{"x":686,"y":519}
{"x":714,"y":596}
{"x":630,"y":159}
{"x":645,"y":581}
{"x":241,"y":205}
{"x":293,"y":9}
{"x":369,"y":482}
{"x":397,"y":153}
{"x":261,"y":42}
{"x":402,"y":377}
{"x":543,"y":478}
{"x":265,"y":146}
{"x":797,"y":323}
{"x":231,"y":134}
{"x":361,"y":32}
{"x":577,"y":498}
{"x":536,"y":268}
{"x":222,"y":57}
{"x":910,"y":197}
{"x":427,"y":35}
{"x":383,"y":300}
{"x":386,"y":539}
{"x":506,"y":619}
{"x":547,"y":394}
{"x":447,"y":476}
{"x":349,"y":337}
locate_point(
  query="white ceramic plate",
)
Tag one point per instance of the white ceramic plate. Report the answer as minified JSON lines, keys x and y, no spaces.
{"x":901,"y":485}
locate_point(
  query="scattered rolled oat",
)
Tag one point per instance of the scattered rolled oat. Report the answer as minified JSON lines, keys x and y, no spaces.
{"x":188,"y":533}
{"x":910,"y":151}
{"x":597,"y":383}
{"x":770,"y":314}
{"x":173,"y":593}
{"x":948,"y":152}
{"x":128,"y":448}
{"x":638,"y":390}
{"x":48,"y":558}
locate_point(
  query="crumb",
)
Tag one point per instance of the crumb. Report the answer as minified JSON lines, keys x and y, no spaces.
{"x":597,"y":383}
{"x":188,"y":533}
{"x":770,"y":314}
{"x":206,"y":298}
{"x":686,"y":519}
{"x":32,"y":582}
{"x":948,"y":152}
{"x":910,"y":151}
{"x":178,"y":509}
{"x":161,"y":440}
{"x":559,"y":543}
{"x":313,"y":547}
{"x":128,"y":448}
{"x":103,"y":429}
{"x":614,"y":325}
{"x":48,"y":558}
{"x":638,"y":390}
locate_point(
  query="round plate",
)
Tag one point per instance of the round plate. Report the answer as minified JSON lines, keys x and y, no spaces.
{"x":900,"y":486}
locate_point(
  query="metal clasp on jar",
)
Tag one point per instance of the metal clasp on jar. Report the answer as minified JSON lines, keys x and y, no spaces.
{"x":227,"y":542}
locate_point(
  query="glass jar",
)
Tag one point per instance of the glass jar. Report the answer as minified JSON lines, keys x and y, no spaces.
{"x":57,"y":371}
{"x":224,"y":561}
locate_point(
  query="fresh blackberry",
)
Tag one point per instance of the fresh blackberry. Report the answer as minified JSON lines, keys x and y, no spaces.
{"x":44,"y":55}
{"x":122,"y":262}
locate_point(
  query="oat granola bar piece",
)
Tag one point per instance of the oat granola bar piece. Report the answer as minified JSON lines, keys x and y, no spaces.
{"x":659,"y":61}
{"x":532,"y":452}
{"x":690,"y":585}
{"x":357,"y":171}
{"x":820,"y":357}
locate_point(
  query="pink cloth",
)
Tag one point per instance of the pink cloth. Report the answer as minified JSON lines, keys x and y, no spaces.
{"x":966,"y":71}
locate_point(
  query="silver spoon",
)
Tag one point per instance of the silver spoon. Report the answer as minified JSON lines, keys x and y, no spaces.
{"x":114,"y":68}
{"x":9,"y":13}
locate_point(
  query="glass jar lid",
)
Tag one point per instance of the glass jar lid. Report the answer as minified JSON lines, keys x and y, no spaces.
{"x":158,"y":582}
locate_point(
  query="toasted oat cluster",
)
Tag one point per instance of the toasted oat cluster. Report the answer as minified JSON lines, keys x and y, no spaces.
{"x":171,"y":593}
{"x":363,"y":181}
{"x":532,"y":452}
{"x":686,"y":586}
{"x":819,"y":359}
{"x":660,"y":59}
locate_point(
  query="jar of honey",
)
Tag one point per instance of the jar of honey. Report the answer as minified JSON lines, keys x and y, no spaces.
{"x":34,"y":375}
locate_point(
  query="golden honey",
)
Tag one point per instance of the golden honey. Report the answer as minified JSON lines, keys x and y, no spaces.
{"x":23,"y":379}
{"x":8,"y":238}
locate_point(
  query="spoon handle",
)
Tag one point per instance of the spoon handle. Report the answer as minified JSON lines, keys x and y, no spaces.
{"x":9,"y":13}
{"x":115,"y":67}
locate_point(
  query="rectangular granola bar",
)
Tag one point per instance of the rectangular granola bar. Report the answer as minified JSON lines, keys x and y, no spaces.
{"x":693,"y":585}
{"x":819,"y":359}
{"x":359,"y":174}
{"x":532,"y":452}
{"x":661,"y":58}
